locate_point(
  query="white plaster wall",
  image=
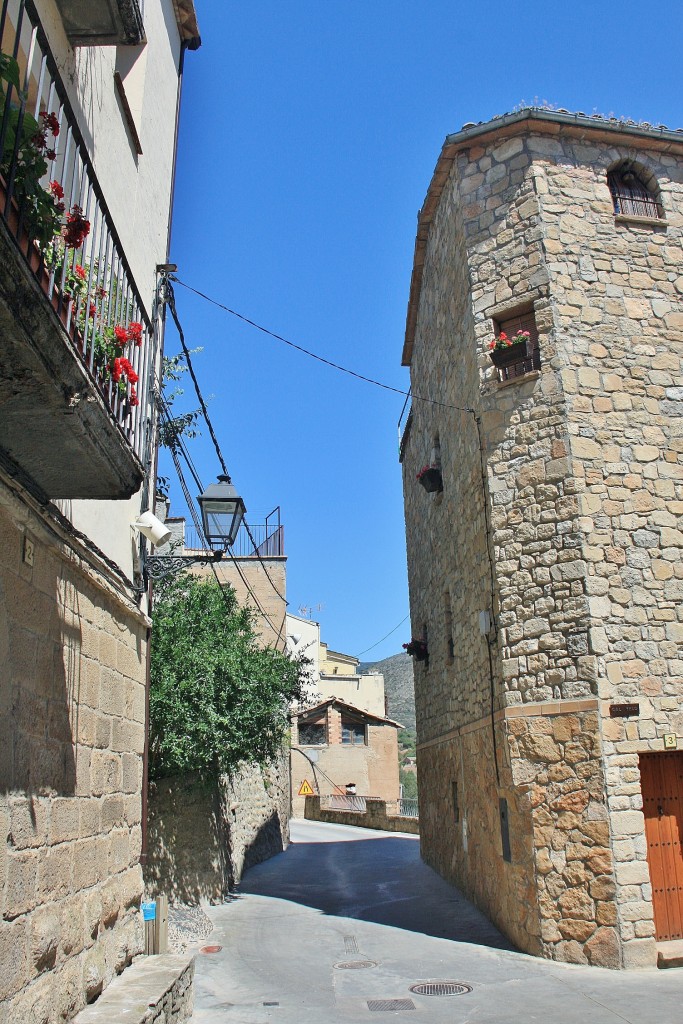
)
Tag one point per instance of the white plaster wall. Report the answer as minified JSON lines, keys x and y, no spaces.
{"x":366,"y":692}
{"x":137,"y":188}
{"x":308,"y":644}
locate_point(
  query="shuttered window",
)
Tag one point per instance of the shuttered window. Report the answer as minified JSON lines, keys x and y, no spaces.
{"x":631,"y":198}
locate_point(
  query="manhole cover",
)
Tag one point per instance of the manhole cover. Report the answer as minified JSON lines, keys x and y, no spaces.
{"x":210,"y":949}
{"x":391,"y":1004}
{"x":354,"y":965}
{"x":440,"y":988}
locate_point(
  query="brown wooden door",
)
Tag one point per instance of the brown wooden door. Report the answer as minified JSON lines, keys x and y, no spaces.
{"x":661,"y":780}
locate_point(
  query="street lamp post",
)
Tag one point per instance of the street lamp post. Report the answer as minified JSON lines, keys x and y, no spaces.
{"x":222,"y":513}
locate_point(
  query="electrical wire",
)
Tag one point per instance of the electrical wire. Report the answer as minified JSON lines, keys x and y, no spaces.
{"x":198,"y":525}
{"x":169,"y":297}
{"x":314,"y":355}
{"x":372,"y":647}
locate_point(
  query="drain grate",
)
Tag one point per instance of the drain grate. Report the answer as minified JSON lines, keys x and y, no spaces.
{"x":350,"y":944}
{"x":391,"y":1004}
{"x":354,"y":965}
{"x":440,"y":988}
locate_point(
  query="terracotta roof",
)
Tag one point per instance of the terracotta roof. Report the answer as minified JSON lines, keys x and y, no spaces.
{"x":348,"y":707}
{"x":560,"y":123}
{"x":186,"y":16}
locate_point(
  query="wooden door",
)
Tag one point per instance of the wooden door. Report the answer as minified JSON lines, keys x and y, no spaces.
{"x":661,"y":780}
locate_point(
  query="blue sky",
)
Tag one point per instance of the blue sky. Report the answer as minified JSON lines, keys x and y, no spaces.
{"x":309,"y":133}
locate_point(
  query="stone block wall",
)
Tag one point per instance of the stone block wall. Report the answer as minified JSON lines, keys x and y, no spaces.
{"x":202,"y":836}
{"x":571,"y":536}
{"x":72,"y":713}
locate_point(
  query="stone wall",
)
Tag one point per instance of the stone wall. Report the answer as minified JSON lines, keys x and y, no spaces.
{"x":155,"y":990}
{"x":202,"y":837}
{"x":72,"y":712}
{"x":571,"y":537}
{"x":375,"y":816}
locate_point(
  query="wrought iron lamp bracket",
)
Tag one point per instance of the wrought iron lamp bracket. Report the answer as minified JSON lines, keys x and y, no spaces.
{"x":159,"y":567}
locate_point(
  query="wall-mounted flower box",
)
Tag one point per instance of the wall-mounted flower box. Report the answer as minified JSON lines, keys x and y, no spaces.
{"x":417,"y":649}
{"x":503,"y":350}
{"x":430,"y":478}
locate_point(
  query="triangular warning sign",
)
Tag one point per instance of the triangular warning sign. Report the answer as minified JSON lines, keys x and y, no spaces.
{"x":305,"y":789}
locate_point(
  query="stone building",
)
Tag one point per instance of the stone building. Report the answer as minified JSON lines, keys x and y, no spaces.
{"x":545,"y":559}
{"x":336,"y":744}
{"x":87,"y":149}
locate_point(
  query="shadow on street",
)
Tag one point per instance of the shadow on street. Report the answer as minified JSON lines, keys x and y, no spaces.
{"x":381,"y":879}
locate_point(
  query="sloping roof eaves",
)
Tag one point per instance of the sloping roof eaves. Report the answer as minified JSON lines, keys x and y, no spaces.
{"x":552,"y":122}
{"x":348,"y":707}
{"x":186,"y":17}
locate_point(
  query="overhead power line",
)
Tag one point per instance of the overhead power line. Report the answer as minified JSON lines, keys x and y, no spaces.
{"x":169,"y":296}
{"x":372,"y":646}
{"x":175,"y":453}
{"x":314,"y":355}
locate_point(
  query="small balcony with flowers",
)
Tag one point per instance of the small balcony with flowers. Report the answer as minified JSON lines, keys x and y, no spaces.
{"x":76,"y":343}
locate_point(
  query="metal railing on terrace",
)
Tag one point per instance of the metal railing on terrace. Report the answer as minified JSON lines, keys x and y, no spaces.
{"x":348,"y":802}
{"x":268,"y":539}
{"x":48,"y":194}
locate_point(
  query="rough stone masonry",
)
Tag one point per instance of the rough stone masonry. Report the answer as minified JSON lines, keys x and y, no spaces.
{"x":561,"y":514}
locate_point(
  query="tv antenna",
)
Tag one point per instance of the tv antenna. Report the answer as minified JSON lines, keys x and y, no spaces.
{"x":306,"y":611}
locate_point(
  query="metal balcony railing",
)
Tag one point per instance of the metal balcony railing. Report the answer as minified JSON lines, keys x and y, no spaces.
{"x":85,"y":277}
{"x":268,"y":539}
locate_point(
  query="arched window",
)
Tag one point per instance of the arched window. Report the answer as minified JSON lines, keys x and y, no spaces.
{"x":631,"y":196}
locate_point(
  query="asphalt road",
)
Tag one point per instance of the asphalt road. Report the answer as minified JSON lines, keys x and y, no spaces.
{"x":341,"y":925}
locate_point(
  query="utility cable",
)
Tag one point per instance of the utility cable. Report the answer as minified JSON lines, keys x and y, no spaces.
{"x":200,"y":531}
{"x":314,"y":355}
{"x":170,"y":299}
{"x":384,"y":637}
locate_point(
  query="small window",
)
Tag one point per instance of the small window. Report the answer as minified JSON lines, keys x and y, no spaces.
{"x":448,"y":627}
{"x":526,"y":361}
{"x":353,"y":732}
{"x":631,"y":196}
{"x":312,"y":734}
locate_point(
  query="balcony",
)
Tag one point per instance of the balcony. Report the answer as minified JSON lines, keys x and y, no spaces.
{"x":268,"y":539}
{"x":77,"y":351}
{"x":102,"y":22}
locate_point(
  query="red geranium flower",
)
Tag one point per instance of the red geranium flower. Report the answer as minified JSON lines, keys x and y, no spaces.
{"x":80,"y":271}
{"x":135,"y":332}
{"x":76,"y":229}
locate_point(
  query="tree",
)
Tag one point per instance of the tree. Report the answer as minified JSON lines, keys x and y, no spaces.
{"x":217,"y":698}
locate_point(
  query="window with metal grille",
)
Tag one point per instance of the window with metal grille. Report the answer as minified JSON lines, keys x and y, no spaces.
{"x":312,"y":734}
{"x":352,"y":731}
{"x":630,"y":196}
{"x":524,"y":321}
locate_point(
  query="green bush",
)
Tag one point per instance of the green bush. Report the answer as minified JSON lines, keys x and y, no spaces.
{"x":217,"y":698}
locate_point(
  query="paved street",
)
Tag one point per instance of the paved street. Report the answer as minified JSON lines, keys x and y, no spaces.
{"x":343,"y":896}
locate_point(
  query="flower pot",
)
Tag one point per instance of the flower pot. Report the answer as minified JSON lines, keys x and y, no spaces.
{"x":510,"y":354}
{"x":431,"y":479}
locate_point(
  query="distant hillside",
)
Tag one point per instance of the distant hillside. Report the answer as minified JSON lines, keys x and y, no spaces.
{"x":398,"y":686}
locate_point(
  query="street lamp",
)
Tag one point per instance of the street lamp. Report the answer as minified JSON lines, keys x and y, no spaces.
{"x":222,"y":512}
